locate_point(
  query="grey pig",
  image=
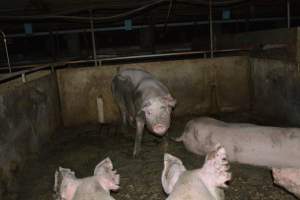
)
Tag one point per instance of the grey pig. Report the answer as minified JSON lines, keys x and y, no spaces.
{"x":142,"y":99}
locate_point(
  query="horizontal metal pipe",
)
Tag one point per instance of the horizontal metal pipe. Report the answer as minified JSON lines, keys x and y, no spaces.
{"x":150,"y":56}
{"x":170,"y":54}
{"x":118,"y":28}
{"x":22,"y":73}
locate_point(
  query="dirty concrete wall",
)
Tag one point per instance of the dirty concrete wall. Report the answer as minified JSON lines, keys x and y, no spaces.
{"x":199,"y":85}
{"x":29,"y":114}
{"x":276,"y":90}
{"x":275,"y":44}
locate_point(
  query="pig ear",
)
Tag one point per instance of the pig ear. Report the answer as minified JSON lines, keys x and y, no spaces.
{"x":65,"y":184}
{"x":107,"y":177}
{"x":217,"y":166}
{"x":170,"y":100}
{"x":173,"y":168}
{"x":146,"y":105}
{"x":103,"y":166}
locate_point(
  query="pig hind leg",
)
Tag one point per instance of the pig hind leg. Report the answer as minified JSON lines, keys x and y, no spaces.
{"x":121,"y":89}
{"x":124,"y":114}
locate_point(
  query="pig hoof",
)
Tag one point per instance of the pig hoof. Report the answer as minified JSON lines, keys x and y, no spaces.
{"x":136,"y":154}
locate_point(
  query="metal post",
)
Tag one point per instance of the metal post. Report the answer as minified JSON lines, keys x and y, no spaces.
{"x":93,"y":37}
{"x":211,"y":30}
{"x":288,"y":13}
{"x":52,"y":68}
{"x":6,"y":50}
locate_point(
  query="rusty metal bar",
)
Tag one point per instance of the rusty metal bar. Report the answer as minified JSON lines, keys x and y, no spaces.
{"x":288,"y":7}
{"x":211,"y":38}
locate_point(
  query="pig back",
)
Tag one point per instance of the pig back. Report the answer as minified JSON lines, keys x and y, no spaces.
{"x":145,"y":86}
{"x":91,"y":189}
{"x":190,"y":187}
{"x":135,"y":75}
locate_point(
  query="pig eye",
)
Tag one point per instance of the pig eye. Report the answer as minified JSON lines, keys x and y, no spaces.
{"x":148,"y":112}
{"x":165,"y":108}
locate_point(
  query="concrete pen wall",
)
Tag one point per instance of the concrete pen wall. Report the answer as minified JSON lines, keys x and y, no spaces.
{"x":29,"y":115}
{"x":200,"y":86}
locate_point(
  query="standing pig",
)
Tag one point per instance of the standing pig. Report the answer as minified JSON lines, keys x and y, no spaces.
{"x":142,"y":99}
{"x":245,"y":143}
{"x":288,"y":178}
{"x":206,"y":183}
{"x":97,"y":187}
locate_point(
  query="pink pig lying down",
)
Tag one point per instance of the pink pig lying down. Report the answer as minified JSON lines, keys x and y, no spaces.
{"x":245,"y":143}
{"x":288,"y":178}
{"x":206,"y":183}
{"x":96,"y":187}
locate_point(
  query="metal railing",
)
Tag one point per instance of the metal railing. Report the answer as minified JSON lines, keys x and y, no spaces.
{"x":64,"y":64}
{"x":6,"y":50}
{"x":24,"y":73}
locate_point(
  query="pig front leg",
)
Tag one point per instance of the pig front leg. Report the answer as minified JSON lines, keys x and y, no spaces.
{"x":288,"y":178}
{"x":140,"y":123}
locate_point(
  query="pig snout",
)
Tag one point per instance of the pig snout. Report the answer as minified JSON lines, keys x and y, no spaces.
{"x":158,"y":124}
{"x":160,"y":129}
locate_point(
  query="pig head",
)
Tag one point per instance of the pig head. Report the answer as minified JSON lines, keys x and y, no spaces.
{"x":157,"y":113}
{"x":98,"y":186}
{"x":288,"y":178}
{"x":205,"y":183}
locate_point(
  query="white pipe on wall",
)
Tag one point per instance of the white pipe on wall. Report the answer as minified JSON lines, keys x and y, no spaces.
{"x":100,"y":108}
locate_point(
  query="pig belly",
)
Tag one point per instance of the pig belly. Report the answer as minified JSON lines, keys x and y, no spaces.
{"x":94,"y":196}
{"x":245,"y":143}
{"x":90,"y":189}
{"x":190,"y":187}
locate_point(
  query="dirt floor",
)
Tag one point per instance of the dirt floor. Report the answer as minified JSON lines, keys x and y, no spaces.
{"x":82,"y":148}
